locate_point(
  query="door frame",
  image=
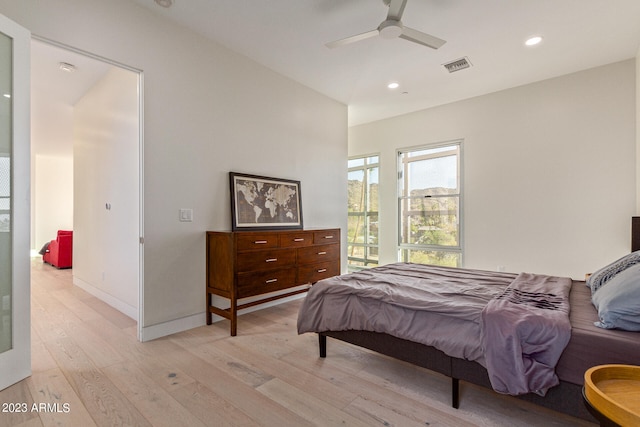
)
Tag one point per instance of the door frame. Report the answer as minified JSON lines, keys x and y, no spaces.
{"x":15,"y":363}
{"x":140,"y":75}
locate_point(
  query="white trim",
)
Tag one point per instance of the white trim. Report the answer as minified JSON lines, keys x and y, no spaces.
{"x":119,"y":305}
{"x":15,"y":363}
{"x":84,"y":53}
{"x":149,"y":333}
{"x":140,"y":314}
{"x":152,"y":332}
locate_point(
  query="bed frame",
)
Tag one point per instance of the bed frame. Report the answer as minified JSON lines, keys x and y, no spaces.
{"x":565,"y":397}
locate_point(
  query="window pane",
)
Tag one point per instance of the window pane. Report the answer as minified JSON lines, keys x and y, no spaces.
{"x":433,"y":176}
{"x":430,"y":221}
{"x":449,"y":259}
{"x":355,"y":162}
{"x":372,"y":253}
{"x":355,"y":228}
{"x":356,"y":191}
{"x":373,"y":183}
{"x":354,"y":251}
{"x":372,"y":160}
{"x":5,"y":177}
{"x":372,"y":228}
{"x":6,"y":190}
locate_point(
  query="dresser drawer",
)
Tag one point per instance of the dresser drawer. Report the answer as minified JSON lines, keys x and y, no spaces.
{"x":326,"y":236}
{"x":260,"y":282}
{"x":295,"y":239}
{"x":319,"y":253}
{"x":249,"y":241}
{"x":265,"y":260}
{"x":313,"y":273}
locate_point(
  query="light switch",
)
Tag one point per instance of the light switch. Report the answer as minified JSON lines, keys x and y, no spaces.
{"x":186,"y":215}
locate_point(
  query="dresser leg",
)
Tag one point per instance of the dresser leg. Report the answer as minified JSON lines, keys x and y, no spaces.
{"x":233,"y":318}
{"x":209,"y":319}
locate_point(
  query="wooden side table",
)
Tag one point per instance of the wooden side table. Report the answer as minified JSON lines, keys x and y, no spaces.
{"x":612,"y":394}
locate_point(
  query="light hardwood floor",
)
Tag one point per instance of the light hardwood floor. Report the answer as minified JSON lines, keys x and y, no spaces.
{"x":90,"y":370}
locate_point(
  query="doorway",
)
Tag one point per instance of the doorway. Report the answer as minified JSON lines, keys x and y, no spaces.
{"x":86,"y":128}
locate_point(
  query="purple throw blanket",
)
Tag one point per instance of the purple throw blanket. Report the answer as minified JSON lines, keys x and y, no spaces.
{"x":524,"y":332}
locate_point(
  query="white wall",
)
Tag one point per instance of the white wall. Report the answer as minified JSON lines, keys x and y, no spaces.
{"x":207,"y":111}
{"x":548,"y":168}
{"x":52,"y":174}
{"x":53,"y":198}
{"x":106,"y":183}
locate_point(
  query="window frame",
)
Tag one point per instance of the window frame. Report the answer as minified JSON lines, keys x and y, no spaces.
{"x":404,"y":249}
{"x":365,"y":167}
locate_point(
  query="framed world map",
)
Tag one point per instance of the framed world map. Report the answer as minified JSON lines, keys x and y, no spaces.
{"x":263,"y":203}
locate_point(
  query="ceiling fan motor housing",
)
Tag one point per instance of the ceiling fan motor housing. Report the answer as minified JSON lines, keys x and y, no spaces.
{"x":390,"y":29}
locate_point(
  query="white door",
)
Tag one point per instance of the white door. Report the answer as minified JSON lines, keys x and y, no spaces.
{"x":15,"y":322}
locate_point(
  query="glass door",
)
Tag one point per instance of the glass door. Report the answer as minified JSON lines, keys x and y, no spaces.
{"x":15,"y":345}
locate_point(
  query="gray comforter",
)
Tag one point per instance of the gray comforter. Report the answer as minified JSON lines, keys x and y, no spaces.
{"x":436,"y":306}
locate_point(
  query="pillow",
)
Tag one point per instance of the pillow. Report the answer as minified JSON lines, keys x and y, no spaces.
{"x":606,"y":273}
{"x":618,"y":303}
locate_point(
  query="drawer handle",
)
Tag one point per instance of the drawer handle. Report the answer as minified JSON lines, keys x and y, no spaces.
{"x":322,"y":270}
{"x":322,"y":253}
{"x":271,"y":281}
{"x":299,"y":239}
{"x":260,"y":242}
{"x":271,"y":260}
{"x":328,"y":237}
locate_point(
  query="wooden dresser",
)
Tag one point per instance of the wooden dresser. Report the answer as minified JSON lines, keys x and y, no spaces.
{"x":245,"y":264}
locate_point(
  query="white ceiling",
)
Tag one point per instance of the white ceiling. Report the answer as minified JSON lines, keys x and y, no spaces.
{"x":49,"y":81}
{"x":289,"y":37}
{"x":53,"y":94}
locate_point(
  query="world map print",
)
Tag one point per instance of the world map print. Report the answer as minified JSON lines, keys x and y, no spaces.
{"x":265,"y":202}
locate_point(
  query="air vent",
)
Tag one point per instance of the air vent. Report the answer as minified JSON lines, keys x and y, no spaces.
{"x":457,"y":65}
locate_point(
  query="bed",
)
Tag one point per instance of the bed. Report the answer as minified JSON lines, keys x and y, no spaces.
{"x":555,"y":336}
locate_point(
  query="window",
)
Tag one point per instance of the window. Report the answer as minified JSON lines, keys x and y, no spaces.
{"x":362,"y":238}
{"x":429,"y":205}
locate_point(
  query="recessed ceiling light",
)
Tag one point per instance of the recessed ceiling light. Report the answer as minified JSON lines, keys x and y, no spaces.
{"x":393,"y":85}
{"x":165,"y":3}
{"x":69,"y":68}
{"x":532,"y":41}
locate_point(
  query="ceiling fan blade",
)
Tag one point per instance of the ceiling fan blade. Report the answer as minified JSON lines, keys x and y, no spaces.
{"x":396,"y":9}
{"x":352,"y":39}
{"x":421,"y":38}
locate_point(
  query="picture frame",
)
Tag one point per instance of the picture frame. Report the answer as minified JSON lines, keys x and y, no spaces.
{"x":264,"y":203}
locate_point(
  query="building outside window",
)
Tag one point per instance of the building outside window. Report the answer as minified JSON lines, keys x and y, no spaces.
{"x":429,"y":204}
{"x":362,"y":230}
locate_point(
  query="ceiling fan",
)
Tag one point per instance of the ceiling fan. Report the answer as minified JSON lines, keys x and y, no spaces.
{"x":392,"y":27}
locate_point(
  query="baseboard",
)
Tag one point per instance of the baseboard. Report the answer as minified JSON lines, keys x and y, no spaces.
{"x":160,"y":330}
{"x":119,"y":305}
{"x":148,"y":333}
